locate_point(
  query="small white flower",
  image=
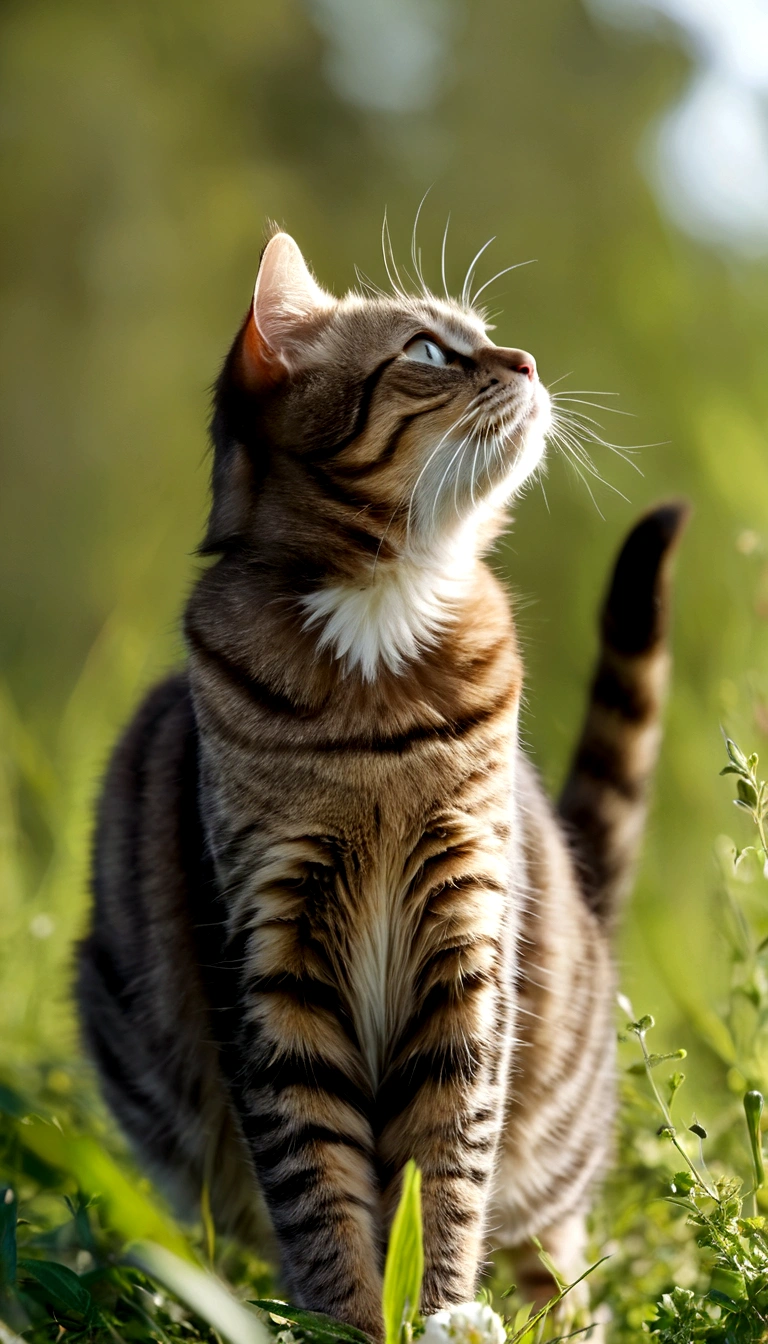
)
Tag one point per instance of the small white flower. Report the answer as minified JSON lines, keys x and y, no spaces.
{"x":471,"y":1323}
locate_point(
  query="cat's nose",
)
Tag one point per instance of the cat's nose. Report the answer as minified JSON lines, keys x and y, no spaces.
{"x":520,"y":361}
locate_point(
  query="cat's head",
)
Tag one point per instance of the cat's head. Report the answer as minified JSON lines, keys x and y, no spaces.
{"x":365,"y":449}
{"x":366,"y":436}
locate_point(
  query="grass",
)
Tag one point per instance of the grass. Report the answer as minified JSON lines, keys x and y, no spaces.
{"x":89,"y":1251}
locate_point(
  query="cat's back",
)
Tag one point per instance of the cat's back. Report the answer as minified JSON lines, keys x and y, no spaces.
{"x":136,"y":977}
{"x":146,"y":812}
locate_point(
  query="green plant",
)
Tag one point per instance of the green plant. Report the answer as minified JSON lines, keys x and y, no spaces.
{"x":722,"y":1245}
{"x":732,"y":1303}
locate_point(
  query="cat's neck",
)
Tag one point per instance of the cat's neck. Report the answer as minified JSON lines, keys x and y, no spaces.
{"x":394,"y":613}
{"x":423,"y":633}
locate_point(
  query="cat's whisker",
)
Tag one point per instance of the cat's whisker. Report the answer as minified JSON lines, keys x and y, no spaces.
{"x":442,"y":258}
{"x":539,"y":475}
{"x":489,"y":454}
{"x":578,"y":417}
{"x":472,"y":474}
{"x":579,"y":472}
{"x":392,"y":517}
{"x":588,"y":428}
{"x":368,"y":284}
{"x":390,"y":265}
{"x":577,"y":454}
{"x":457,"y":425}
{"x":574,"y":421}
{"x":458,"y":476}
{"x":591,"y":428}
{"x":577,"y":447}
{"x":495,"y":453}
{"x":470,"y":273}
{"x":459,"y":450}
{"x":498,"y":276}
{"x":416,"y":253}
{"x":585,"y":391}
{"x":570,"y":397}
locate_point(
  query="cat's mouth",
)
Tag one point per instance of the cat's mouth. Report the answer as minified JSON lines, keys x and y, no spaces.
{"x":511,"y":417}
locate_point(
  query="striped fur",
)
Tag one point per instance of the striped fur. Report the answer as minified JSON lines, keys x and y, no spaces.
{"x":603,"y":801}
{"x":336,"y":923}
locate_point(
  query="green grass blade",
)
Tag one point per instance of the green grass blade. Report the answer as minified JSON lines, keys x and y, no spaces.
{"x":313,"y":1325}
{"x":203,"y":1293}
{"x":405,"y":1259}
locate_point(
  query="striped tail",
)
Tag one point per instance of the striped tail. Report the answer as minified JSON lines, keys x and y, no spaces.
{"x":604,"y":801}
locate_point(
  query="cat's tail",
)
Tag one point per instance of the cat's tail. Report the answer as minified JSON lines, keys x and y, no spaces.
{"x":604,"y":800}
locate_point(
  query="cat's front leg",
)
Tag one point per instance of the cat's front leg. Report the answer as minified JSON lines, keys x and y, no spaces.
{"x":311,"y":1144}
{"x":304,"y":1104}
{"x":442,"y":1100}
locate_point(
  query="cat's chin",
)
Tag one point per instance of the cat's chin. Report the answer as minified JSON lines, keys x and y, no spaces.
{"x":540,"y":414}
{"x":527,"y":445}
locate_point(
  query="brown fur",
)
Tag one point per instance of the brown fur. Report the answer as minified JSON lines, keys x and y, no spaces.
{"x":337,"y":925}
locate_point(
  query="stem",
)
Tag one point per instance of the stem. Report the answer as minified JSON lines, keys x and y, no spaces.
{"x":668,"y":1118}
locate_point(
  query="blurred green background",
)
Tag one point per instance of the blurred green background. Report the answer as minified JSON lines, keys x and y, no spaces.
{"x":143,"y":148}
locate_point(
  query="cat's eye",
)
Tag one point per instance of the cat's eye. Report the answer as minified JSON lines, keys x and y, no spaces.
{"x":424,"y":351}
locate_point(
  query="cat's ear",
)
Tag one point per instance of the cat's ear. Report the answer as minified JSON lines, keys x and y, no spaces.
{"x":286,"y":297}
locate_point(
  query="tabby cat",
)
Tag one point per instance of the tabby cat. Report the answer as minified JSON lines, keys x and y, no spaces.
{"x":337,"y":924}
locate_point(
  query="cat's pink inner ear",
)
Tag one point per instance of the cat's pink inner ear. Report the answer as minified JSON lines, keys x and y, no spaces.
{"x":285,"y":298}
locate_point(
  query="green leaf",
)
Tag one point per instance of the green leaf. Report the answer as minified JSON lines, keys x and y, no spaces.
{"x":654,"y":1060}
{"x":7,"y":1239}
{"x":674,"y":1084}
{"x":405,"y":1259}
{"x":736,"y":755}
{"x":728,"y":1284}
{"x":682,"y":1182}
{"x":522,"y":1316}
{"x":747,"y":792}
{"x":549,"y":1264}
{"x":61,"y":1286}
{"x":642,"y":1025}
{"x":313,"y":1324}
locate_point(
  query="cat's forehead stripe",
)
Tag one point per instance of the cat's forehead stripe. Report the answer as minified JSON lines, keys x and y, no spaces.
{"x":460,"y":329}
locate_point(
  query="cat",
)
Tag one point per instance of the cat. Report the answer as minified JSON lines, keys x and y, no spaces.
{"x":337,"y":925}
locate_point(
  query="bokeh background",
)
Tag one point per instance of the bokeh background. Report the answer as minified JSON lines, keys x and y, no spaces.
{"x":622,"y":144}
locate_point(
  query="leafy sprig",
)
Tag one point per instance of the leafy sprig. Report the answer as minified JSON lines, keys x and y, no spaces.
{"x":751,"y":796}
